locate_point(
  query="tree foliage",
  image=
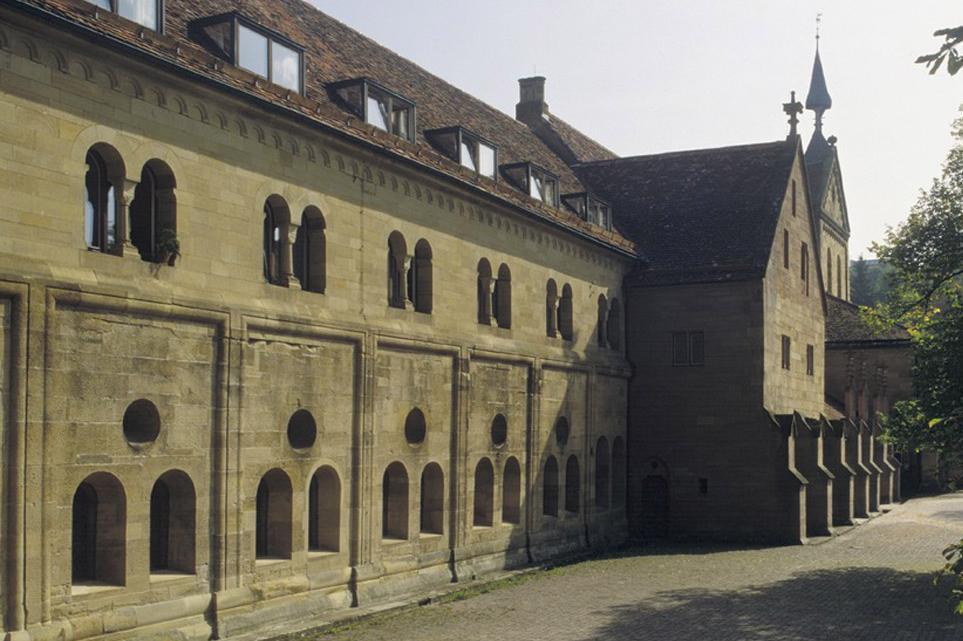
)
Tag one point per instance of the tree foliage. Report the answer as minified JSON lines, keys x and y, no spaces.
{"x":952,"y":38}
{"x":925,"y":254}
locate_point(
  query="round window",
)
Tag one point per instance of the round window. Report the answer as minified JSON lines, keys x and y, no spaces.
{"x":302,"y":430}
{"x":499,"y":430}
{"x":561,"y":431}
{"x":141,"y":422}
{"x":415,"y":427}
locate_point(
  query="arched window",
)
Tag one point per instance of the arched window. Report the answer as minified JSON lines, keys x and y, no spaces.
{"x":324,"y":511}
{"x":394,"y":502}
{"x":103,"y":182}
{"x":273,"y":532}
{"x":618,"y":473}
{"x":420,"y":279}
{"x":550,"y":488}
{"x":572,"y":483}
{"x":602,"y":474}
{"x":511,"y":492}
{"x":276,"y":220}
{"x":397,"y":265}
{"x":309,"y":251}
{"x":484,"y":292}
{"x":551,"y":309}
{"x":172,"y":516}
{"x":153,"y":213}
{"x":602,"y":320}
{"x":432,"y":499}
{"x":99,"y":531}
{"x":502,"y":299}
{"x":614,"y":325}
{"x":484,"y":494}
{"x":565,"y":321}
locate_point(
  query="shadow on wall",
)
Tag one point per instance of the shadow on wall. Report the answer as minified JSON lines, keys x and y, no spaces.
{"x":844,"y":603}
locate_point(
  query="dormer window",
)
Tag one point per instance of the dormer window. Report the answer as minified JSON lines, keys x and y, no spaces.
{"x":146,"y":13}
{"x":589,"y":208}
{"x":535,"y":181}
{"x":466,"y":148}
{"x":378,"y":106}
{"x":249,"y":46}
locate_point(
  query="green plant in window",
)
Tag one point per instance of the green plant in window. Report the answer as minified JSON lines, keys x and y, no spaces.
{"x":167,"y":248}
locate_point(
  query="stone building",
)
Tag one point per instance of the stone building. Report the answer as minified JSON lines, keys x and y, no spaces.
{"x":290,"y":325}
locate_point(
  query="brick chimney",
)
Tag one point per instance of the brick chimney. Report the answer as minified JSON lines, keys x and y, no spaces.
{"x":531,"y":107}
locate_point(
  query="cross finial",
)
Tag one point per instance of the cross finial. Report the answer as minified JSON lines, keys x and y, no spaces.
{"x":792,"y":109}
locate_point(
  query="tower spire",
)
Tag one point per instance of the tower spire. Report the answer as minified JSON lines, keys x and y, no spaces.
{"x":818,"y":99}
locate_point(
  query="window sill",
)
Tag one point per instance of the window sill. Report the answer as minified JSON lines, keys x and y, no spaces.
{"x":429,"y":535}
{"x":321,"y":554}
{"x":392,"y":542}
{"x":266,"y":562}
{"x":84,"y":589}
{"x":166,"y":576}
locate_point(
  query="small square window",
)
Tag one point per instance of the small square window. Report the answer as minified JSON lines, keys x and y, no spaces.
{"x":252,"y":51}
{"x":285,"y":67}
{"x":680,"y":348}
{"x":697,"y":348}
{"x":377,"y":106}
{"x":785,"y":352}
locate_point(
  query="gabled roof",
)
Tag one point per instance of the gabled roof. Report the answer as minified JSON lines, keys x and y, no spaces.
{"x":844,"y":325}
{"x":822,"y":163}
{"x":335,"y":52}
{"x":703,"y":215}
{"x":569,"y":143}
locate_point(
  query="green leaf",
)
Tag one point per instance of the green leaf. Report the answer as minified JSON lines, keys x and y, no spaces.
{"x":934,"y":422}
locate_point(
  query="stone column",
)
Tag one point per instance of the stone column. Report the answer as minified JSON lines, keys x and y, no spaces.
{"x":287,"y":255}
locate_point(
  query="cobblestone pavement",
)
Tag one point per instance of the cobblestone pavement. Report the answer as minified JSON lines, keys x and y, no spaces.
{"x":872,"y":583}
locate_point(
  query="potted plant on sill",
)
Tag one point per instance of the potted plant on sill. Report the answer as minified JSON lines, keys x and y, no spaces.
{"x":168,"y":248}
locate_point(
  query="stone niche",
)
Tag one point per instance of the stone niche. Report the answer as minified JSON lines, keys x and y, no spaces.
{"x":130,"y":410}
{"x":298,"y":417}
{"x":560,"y":450}
{"x":495,"y":493}
{"x":412,"y":453}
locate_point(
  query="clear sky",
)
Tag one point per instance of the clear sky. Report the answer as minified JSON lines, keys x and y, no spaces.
{"x":648,"y":76}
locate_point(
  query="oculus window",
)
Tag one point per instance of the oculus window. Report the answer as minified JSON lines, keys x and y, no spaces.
{"x":246,"y":45}
{"x":377,"y":106}
{"x":466,"y":148}
{"x":535,"y":181}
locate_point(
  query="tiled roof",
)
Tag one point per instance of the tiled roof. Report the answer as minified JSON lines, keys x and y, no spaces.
{"x":335,"y":52}
{"x":702,"y":215}
{"x":569,"y":143}
{"x":845,"y":325}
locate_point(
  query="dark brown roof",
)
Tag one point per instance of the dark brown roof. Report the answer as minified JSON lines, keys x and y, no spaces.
{"x":708,"y":214}
{"x":335,"y":52}
{"x":844,"y":324}
{"x":569,"y":143}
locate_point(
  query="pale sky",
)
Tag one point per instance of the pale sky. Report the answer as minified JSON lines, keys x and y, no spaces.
{"x":649,"y":76}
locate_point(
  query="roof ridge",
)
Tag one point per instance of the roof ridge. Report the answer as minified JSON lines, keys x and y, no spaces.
{"x":684,"y":152}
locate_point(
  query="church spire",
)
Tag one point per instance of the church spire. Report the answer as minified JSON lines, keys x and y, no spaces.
{"x":818,"y":98}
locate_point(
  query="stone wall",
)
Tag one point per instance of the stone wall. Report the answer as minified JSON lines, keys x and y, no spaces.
{"x":230,"y":363}
{"x":794,"y":307}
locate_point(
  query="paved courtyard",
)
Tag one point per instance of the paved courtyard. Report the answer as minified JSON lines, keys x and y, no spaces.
{"x":872,"y":583}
